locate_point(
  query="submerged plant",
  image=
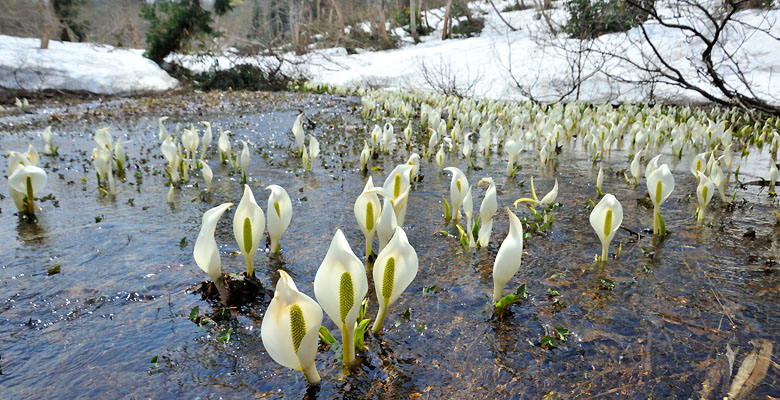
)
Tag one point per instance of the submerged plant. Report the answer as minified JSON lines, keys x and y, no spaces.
{"x":394,"y":269}
{"x":340,"y":287}
{"x":248,"y":228}
{"x":509,"y":256}
{"x":290,"y":328}
{"x":605,"y":219}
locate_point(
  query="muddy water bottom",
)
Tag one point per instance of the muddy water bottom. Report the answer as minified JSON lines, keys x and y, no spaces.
{"x":658,"y":321}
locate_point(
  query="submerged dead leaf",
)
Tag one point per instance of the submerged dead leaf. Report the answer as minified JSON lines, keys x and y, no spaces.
{"x":752,"y":371}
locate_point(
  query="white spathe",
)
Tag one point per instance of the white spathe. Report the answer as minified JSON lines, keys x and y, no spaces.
{"x":340,"y":287}
{"x":248,"y":227}
{"x":367,"y":212}
{"x":509,"y":256}
{"x":394,"y":270}
{"x":206,"y":253}
{"x":279,"y":214}
{"x":458,"y":186}
{"x":244,"y":158}
{"x":605,"y":219}
{"x":487,"y":211}
{"x":297,"y":131}
{"x":290,"y":328}
{"x":208,"y":175}
{"x":551,"y":196}
{"x":207,"y":138}
{"x":704,"y":192}
{"x":18,"y":183}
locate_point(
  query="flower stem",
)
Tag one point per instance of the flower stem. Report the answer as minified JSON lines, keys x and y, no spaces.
{"x":311,"y":374}
{"x":498,"y":292}
{"x":30,"y":197}
{"x":655,"y":221}
{"x":380,"y":318}
{"x":250,"y":268}
{"x":348,"y":342}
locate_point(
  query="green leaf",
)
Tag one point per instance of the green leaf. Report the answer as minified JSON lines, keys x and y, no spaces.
{"x":224,"y":336}
{"x":447,"y":214}
{"x":194,"y":313}
{"x":326,"y":337}
{"x":360,"y":333}
{"x":464,"y":241}
{"x":548,"y":342}
{"x":522,"y":291}
{"x":431,"y":290}
{"x":661,"y":225}
{"x":562,"y":333}
{"x":363,"y":307}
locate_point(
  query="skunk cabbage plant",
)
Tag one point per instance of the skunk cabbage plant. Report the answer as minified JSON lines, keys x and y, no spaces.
{"x":248,"y":228}
{"x":509,"y":256}
{"x":340,"y":287}
{"x":605,"y":219}
{"x":206,"y":253}
{"x":279,"y":214}
{"x":290,"y":328}
{"x":394,"y":269}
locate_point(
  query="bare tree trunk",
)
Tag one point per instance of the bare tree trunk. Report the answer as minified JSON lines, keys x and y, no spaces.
{"x":334,"y":4}
{"x":48,"y":23}
{"x":413,"y":20}
{"x":382,"y":26}
{"x":445,"y":29}
{"x":423,"y":15}
{"x":294,"y":20}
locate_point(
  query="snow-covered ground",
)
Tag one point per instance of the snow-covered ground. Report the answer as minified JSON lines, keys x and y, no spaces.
{"x":499,"y":63}
{"x":79,"y":67}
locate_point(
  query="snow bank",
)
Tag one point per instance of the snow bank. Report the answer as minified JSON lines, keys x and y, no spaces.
{"x":500,"y":61}
{"x":79,"y":67}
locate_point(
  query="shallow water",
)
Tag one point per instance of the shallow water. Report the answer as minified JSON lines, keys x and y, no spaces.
{"x":125,"y":287}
